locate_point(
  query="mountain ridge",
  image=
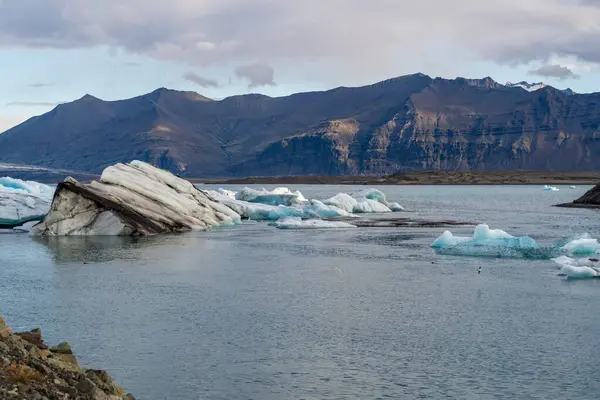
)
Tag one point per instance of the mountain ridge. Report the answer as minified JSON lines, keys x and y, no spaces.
{"x":412,"y":122}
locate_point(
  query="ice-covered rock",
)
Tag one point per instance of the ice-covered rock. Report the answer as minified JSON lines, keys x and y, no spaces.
{"x":299,"y":223}
{"x":23,"y":201}
{"x":486,"y":242}
{"x":132,"y":199}
{"x":550,"y":188}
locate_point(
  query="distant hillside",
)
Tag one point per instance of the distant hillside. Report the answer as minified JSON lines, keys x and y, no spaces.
{"x":408,"y":123}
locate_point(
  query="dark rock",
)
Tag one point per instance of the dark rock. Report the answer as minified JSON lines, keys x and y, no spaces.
{"x":591,"y":199}
{"x":34,"y":338}
{"x":86,"y":386}
{"x":62,"y":348}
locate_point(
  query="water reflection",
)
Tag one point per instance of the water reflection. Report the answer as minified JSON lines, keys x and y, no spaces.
{"x":98,"y":249}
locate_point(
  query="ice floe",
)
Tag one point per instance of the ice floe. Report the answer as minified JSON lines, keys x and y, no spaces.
{"x":582,"y":246}
{"x":22,"y":201}
{"x":578,"y":268}
{"x":487,"y":242}
{"x":551,"y":188}
{"x":299,"y":223}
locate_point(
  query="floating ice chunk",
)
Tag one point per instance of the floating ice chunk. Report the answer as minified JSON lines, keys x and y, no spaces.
{"x":395,"y":207}
{"x":551,"y":188}
{"x":573,"y":187}
{"x":487,"y":242}
{"x":278,"y":196}
{"x":370,"y":206}
{"x":574,"y":272}
{"x":343,"y":201}
{"x":22,"y":201}
{"x":229,"y":193}
{"x":299,"y":223}
{"x":321,"y":210}
{"x":372,"y":194}
{"x":447,"y":239}
{"x":584,"y":245}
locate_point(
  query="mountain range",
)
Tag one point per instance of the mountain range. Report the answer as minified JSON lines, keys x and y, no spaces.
{"x":408,"y":123}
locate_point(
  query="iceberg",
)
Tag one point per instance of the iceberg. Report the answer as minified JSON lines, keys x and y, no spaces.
{"x":299,"y":223}
{"x":279,"y":196}
{"x":573,"y":187}
{"x":134,"y":199}
{"x":487,"y":242}
{"x":577,"y":268}
{"x":583,"y":245}
{"x":282,"y":202}
{"x":550,"y":188}
{"x":23,"y":201}
{"x":364,"y":201}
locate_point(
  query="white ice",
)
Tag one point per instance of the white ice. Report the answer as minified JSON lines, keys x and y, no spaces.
{"x":573,"y":187}
{"x":23,"y":200}
{"x":584,"y":245}
{"x":282,"y":202}
{"x":551,"y":188}
{"x":279,"y":196}
{"x":483,"y":236}
{"x":574,"y":272}
{"x":299,"y":223}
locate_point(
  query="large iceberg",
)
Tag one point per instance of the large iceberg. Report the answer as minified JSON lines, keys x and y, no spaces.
{"x":487,"y":242}
{"x":132,"y":199}
{"x":279,"y":196}
{"x":364,"y":201}
{"x":23,"y":201}
{"x":299,"y":223}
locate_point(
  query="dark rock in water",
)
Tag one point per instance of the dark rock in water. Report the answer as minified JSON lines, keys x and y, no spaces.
{"x":398,"y":222}
{"x":591,"y":199}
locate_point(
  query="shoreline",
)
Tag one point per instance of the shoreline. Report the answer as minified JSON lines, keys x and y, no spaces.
{"x":449,"y":178}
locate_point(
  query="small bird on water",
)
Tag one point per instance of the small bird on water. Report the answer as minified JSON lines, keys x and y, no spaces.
{"x":479,"y":270}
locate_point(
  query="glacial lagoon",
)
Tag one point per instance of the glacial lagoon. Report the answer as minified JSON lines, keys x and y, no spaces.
{"x":256,"y":312}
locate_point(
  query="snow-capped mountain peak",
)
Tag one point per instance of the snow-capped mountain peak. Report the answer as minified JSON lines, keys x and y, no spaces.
{"x":526,"y":85}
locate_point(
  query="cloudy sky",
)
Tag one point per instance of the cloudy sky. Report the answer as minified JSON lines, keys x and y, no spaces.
{"x":53,"y":51}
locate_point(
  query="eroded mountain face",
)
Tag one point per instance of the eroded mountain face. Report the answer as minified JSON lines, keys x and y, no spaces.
{"x":407,"y":123}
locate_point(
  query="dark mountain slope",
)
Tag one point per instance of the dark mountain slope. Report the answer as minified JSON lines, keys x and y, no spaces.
{"x":407,"y":123}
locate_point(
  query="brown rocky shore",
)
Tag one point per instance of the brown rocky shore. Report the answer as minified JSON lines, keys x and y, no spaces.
{"x":29,"y":369}
{"x":514,"y":177}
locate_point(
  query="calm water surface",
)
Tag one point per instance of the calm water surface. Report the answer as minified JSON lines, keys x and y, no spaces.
{"x":258,"y":313}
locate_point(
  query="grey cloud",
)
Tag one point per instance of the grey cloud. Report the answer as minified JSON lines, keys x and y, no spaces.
{"x":39,"y":85}
{"x":33,"y":103}
{"x":199,"y":80}
{"x":554,"y":71}
{"x":259,"y":74}
{"x":351,"y":35}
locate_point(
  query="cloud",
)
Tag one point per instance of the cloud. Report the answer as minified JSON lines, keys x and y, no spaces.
{"x":39,"y":85}
{"x":199,"y":80}
{"x":33,"y":103}
{"x":259,"y":74}
{"x":366,"y":38}
{"x":554,"y":71}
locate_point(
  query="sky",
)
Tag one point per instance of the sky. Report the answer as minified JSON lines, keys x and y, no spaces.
{"x":54,"y":51}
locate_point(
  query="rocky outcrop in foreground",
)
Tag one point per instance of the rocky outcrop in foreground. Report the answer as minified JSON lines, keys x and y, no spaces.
{"x":134,"y":199}
{"x":29,"y":369}
{"x":591,"y":199}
